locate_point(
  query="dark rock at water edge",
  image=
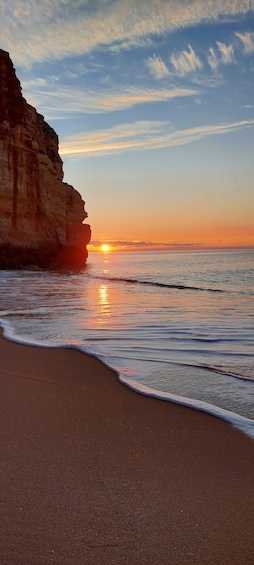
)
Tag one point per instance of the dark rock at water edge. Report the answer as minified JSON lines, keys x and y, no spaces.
{"x":41,"y":217}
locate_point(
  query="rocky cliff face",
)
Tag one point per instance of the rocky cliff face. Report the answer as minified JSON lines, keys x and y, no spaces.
{"x":40,"y":215}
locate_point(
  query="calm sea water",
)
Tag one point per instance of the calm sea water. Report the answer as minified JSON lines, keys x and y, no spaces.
{"x":178,"y":325}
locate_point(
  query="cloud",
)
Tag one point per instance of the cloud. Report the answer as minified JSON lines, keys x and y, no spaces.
{"x":41,"y":82}
{"x":134,"y":43}
{"x":227,"y":53}
{"x":157,"y":67}
{"x":212,"y":60}
{"x":226,"y":56}
{"x":126,"y":245}
{"x":64,"y":102}
{"x":141,"y":135}
{"x":205,"y":81}
{"x":137,"y":135}
{"x":248,"y":41}
{"x":186,"y":62}
{"x":54,"y":29}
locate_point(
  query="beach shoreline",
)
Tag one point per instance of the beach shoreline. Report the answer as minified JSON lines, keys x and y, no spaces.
{"x":93,"y":472}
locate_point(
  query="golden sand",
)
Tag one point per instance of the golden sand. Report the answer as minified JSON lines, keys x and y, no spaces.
{"x":94,"y":473}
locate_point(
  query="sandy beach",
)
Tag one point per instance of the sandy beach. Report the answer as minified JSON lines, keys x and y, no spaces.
{"x":94,"y":473}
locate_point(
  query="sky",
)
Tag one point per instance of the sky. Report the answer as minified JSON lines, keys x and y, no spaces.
{"x":153,"y":103}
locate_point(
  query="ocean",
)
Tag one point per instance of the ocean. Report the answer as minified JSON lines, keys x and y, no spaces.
{"x":175,"y":325}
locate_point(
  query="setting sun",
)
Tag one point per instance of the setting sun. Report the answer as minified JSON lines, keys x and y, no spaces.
{"x":105,"y":247}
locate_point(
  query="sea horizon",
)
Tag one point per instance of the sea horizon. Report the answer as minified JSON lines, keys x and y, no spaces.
{"x":116,"y":246}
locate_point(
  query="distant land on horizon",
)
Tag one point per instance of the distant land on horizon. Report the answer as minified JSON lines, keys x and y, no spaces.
{"x":108,"y":246}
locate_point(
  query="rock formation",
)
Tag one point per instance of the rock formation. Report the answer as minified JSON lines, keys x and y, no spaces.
{"x":40,"y":215}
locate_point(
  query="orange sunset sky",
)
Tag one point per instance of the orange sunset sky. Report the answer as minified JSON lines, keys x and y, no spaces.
{"x":153,"y":104}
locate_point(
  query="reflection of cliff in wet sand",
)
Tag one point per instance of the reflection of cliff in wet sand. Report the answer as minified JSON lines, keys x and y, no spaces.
{"x":40,"y":215}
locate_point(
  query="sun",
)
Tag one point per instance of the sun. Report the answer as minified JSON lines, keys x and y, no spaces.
{"x":105,"y":248}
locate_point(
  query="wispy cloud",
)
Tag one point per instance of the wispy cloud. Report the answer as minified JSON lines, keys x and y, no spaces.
{"x":248,"y":41}
{"x":227,"y":53}
{"x":138,"y":135}
{"x":134,"y":43}
{"x":157,"y":67}
{"x":63,"y":102}
{"x":224,"y":56}
{"x":125,"y":245}
{"x":58,"y":28}
{"x":208,"y":81}
{"x":186,"y":62}
{"x":141,"y":135}
{"x":212,"y":60}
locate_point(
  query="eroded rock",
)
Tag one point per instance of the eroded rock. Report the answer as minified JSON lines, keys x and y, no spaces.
{"x":41,"y":217}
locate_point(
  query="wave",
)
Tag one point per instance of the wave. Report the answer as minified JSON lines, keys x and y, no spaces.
{"x":220,"y":371}
{"x":240,"y":422}
{"x":155,"y":283}
{"x":244,"y":424}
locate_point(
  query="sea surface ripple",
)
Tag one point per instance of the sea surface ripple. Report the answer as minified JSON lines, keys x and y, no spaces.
{"x":176,"y":325}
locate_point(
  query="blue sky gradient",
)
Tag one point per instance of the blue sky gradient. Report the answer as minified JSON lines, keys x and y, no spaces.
{"x":153,"y":102}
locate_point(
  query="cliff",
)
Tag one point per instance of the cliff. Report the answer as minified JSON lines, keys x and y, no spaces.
{"x":40,"y":215}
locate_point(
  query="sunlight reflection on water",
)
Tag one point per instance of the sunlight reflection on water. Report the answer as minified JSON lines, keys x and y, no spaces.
{"x":153,"y":334}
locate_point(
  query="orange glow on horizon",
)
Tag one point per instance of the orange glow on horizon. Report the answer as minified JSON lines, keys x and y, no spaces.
{"x":193,"y":232}
{"x":206,"y":238}
{"x":101,"y":247}
{"x":105,"y":248}
{"x":172,"y":247}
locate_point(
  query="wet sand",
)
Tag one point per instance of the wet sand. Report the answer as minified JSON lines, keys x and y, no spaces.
{"x":94,"y":473}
